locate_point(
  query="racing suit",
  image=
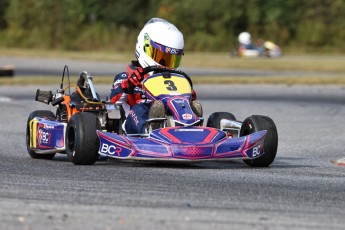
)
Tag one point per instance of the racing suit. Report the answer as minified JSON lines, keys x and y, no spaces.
{"x":132,"y":98}
{"x":134,"y":102}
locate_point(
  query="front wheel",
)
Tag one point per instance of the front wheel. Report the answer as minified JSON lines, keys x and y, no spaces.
{"x":215,"y":119}
{"x":257,"y":123}
{"x":38,"y":113}
{"x":82,"y":142}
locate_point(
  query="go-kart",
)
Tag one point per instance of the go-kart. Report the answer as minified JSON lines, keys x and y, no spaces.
{"x":266,"y":49}
{"x":174,"y":131}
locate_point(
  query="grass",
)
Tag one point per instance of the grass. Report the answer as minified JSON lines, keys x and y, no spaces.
{"x":291,"y":80}
{"x":291,"y":62}
{"x":80,"y":55}
{"x":324,"y":69}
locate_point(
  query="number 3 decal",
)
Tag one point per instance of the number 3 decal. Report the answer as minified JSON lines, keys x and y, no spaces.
{"x":171,"y":86}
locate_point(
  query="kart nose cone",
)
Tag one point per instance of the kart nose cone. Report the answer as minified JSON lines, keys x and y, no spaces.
{"x":192,"y":152}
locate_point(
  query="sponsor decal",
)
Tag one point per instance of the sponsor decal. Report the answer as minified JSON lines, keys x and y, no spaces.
{"x":179,"y":101}
{"x":134,"y":116}
{"x":256,"y":151}
{"x":43,"y":137}
{"x":187,"y":116}
{"x":189,"y":130}
{"x":118,"y":81}
{"x":137,"y":89}
{"x":171,"y":50}
{"x":110,"y":149}
{"x":48,"y":126}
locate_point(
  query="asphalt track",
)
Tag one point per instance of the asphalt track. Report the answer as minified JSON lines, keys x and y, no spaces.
{"x":302,"y":189}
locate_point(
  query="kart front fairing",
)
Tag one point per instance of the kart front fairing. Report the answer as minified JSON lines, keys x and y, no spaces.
{"x":190,"y":144}
{"x":175,"y":91}
{"x":181,"y":110}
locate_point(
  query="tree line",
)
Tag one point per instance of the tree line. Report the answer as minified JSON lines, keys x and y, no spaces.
{"x":317,"y":25}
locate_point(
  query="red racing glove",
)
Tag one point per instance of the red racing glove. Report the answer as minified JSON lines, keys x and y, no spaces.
{"x":135,"y":75}
{"x":193,"y":95}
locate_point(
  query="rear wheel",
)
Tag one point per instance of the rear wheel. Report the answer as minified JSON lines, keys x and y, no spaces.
{"x":257,"y":123}
{"x":38,"y":113}
{"x":82,"y":142}
{"x":215,"y":118}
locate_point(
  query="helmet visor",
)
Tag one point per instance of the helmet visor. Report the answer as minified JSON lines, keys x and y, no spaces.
{"x":163,"y":55}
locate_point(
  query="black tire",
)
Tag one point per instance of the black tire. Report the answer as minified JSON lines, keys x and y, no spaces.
{"x":257,"y":123}
{"x":82,"y":142}
{"x":215,"y":118}
{"x":38,"y":113}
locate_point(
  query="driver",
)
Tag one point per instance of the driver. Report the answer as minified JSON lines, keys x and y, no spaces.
{"x":159,"y":43}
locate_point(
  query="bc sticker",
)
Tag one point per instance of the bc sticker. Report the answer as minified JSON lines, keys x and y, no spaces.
{"x":110,"y":149}
{"x":256,"y":151}
{"x":43,"y":137}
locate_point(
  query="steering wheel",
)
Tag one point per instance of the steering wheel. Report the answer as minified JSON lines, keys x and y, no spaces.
{"x":161,"y":69}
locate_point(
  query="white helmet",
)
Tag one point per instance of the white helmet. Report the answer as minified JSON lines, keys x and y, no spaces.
{"x":159,"y":43}
{"x":245,"y":38}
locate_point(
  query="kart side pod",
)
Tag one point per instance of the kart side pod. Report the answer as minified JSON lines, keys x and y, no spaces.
{"x":47,"y":136}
